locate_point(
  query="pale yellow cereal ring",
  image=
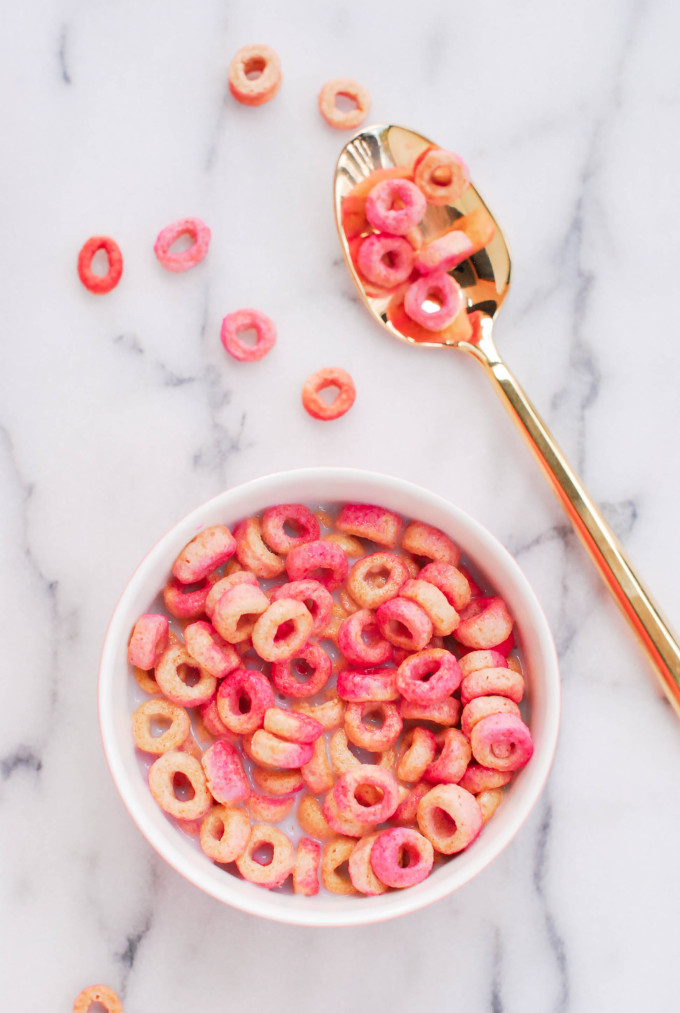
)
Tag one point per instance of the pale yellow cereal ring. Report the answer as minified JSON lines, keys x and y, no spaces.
{"x":344,"y":87}
{"x":350,"y":545}
{"x":171,"y":737}
{"x":324,"y":518}
{"x":100,"y":994}
{"x":277,"y":782}
{"x":360,"y":869}
{"x":489,"y":801}
{"x":330,"y":712}
{"x":268,"y":640}
{"x":335,"y":854}
{"x":225,"y":833}
{"x":312,"y":820}
{"x":443,"y":616}
{"x":146,"y":681}
{"x":277,"y":869}
{"x":343,"y":759}
{"x":162,"y":773}
{"x":345,"y":825}
{"x":174,"y":674}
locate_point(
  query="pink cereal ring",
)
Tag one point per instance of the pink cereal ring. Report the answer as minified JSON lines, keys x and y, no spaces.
{"x":282,"y":630}
{"x":295,"y":515}
{"x":502,"y":742}
{"x":445,"y":713}
{"x":453,"y":584}
{"x":481,"y":706}
{"x":360,"y":642}
{"x":321,"y":561}
{"x":318,"y":773}
{"x":373,"y":522}
{"x":442,"y":176}
{"x":213,"y":722}
{"x":416,"y":752}
{"x":148,"y":641}
{"x":306,"y":870}
{"x":225,"y":584}
{"x":444,"y":253}
{"x":252,"y":553}
{"x":377,"y":685}
{"x":389,"y":853}
{"x":100,"y":284}
{"x":237,"y":611}
{"x":423,"y":540}
{"x":315,"y":596}
{"x":224,"y":833}
{"x":454,"y":757}
{"x":369,"y":736}
{"x":430,"y":676}
{"x":492,"y":682}
{"x":404,"y":624}
{"x":449,"y":817}
{"x":474,"y":660}
{"x":151,"y":713}
{"x":254,"y":75}
{"x":186,"y":601}
{"x":163,"y":775}
{"x":385,"y":260}
{"x":281,"y":858}
{"x":407,"y":810}
{"x":204,"y":553}
{"x":210,"y":650}
{"x":436,"y":288}
{"x":344,"y":119}
{"x":315,"y":405}
{"x":176,"y":674}
{"x":227,"y":781}
{"x":103,"y":996}
{"x":478,"y":778}
{"x":290,"y":726}
{"x":383,"y":210}
{"x":443,"y":615}
{"x":310,"y":661}
{"x":485,"y":623}
{"x":361,"y":872}
{"x":376,"y":578}
{"x":345,"y":792}
{"x":270,"y":808}
{"x":243,"y":698}
{"x":234,"y":324}
{"x":275,"y":752}
{"x":197,"y":230}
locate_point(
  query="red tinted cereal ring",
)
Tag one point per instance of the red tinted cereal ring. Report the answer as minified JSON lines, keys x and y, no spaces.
{"x":473,"y":661}
{"x":254,"y":75}
{"x":385,"y":260}
{"x":502,"y":742}
{"x":360,"y":642}
{"x":395,"y":206}
{"x":236,"y":323}
{"x":442,"y":176}
{"x":270,"y":808}
{"x":444,"y":617}
{"x":423,"y":540}
{"x":404,"y":624}
{"x":453,"y":759}
{"x":389,"y":854}
{"x":172,"y":737}
{"x":372,"y":684}
{"x":478,"y":778}
{"x":485,"y":623}
{"x":224,"y":833}
{"x":148,"y":641}
{"x":481,"y":706}
{"x":416,"y":752}
{"x":243,"y":698}
{"x":330,"y":711}
{"x":97,"y":283}
{"x":282,"y":630}
{"x":213,"y":723}
{"x":185,"y":601}
{"x":344,"y":87}
{"x":99,"y":994}
{"x":225,"y":584}
{"x":204,"y":553}
{"x":163,"y":775}
{"x":237,"y":611}
{"x":346,"y":787}
{"x":361,"y":872}
{"x":210,"y":650}
{"x":312,"y":821}
{"x":275,"y":752}
{"x":322,"y":561}
{"x":306,"y":871}
{"x":438,"y":287}
{"x":492,"y":682}
{"x":252,"y":553}
{"x":175,"y":674}
{"x":315,"y":596}
{"x":369,"y":736}
{"x":373,"y":522}
{"x":332,"y":377}
{"x":339,"y":822}
{"x":407,"y":810}
{"x":295,"y":515}
{"x":227,"y":781}
{"x":294,"y":727}
{"x":317,"y":666}
{"x":450,"y":818}
{"x":429,"y":676}
{"x":318,"y":773}
{"x":335,"y":854}
{"x":197,"y":230}
{"x":445,"y":713}
{"x":376,"y":578}
{"x":277,"y":869}
{"x":278,"y":782}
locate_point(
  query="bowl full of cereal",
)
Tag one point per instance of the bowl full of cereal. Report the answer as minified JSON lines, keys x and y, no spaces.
{"x":328,"y":697}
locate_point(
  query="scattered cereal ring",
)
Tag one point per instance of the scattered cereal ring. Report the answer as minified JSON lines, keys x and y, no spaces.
{"x":305,"y":673}
{"x":376,"y":578}
{"x":99,"y":994}
{"x":278,"y":782}
{"x":282,"y":630}
{"x":148,"y":642}
{"x":454,"y":757}
{"x":444,"y":617}
{"x":273,"y":809}
{"x":315,"y":405}
{"x":450,"y":818}
{"x":213,"y":723}
{"x":237,"y":611}
{"x":226,"y":778}
{"x":296,"y":516}
{"x":386,"y":260}
{"x":306,"y":870}
{"x":442,"y":176}
{"x":290,"y":726}
{"x":344,"y":87}
{"x":346,"y":787}
{"x":318,"y":773}
{"x":172,"y":737}
{"x":437,"y":288}
{"x":277,"y":869}
{"x":224,"y":833}
{"x":146,"y":681}
{"x":430,"y":676}
{"x":97,"y":283}
{"x":481,"y":706}
{"x":360,"y":641}
{"x":197,"y":230}
{"x":204,"y":553}
{"x":404,"y":623}
{"x":254,"y":75}
{"x":416,"y":752}
{"x":445,"y":713}
{"x":370,"y":684}
{"x":176,"y":674}
{"x":485,"y":623}
{"x":461,"y":329}
{"x":502,"y":742}
{"x":243,"y":698}
{"x":275,"y":752}
{"x":402,"y":857}
{"x":424,"y":540}
{"x":373,"y":522}
{"x":234,"y":324}
{"x":323,"y":559}
{"x":360,"y":869}
{"x":492,"y":682}
{"x":163,"y":774}
{"x":210,"y":650}
{"x":369,"y":736}
{"x":478,"y":778}
{"x":252,"y":552}
{"x":312,"y":820}
{"x":395,"y":206}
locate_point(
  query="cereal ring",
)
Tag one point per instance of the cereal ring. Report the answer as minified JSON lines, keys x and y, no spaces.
{"x":298,"y":517}
{"x":344,"y":119}
{"x":374,"y":738}
{"x":270,"y":808}
{"x":373,"y":522}
{"x":341,"y":824}
{"x":423,"y":540}
{"x":407,"y":810}
{"x":477,"y":778}
{"x":492,"y":682}
{"x":290,"y":726}
{"x":329,"y":712}
{"x":252,"y":552}
{"x":275,"y":752}
{"x":402,"y":857}
{"x":444,"y":253}
{"x":97,"y":283}
{"x":444,"y":617}
{"x":146,"y":681}
{"x":485,"y":623}
{"x":454,"y":757}
{"x":442,"y":176}
{"x":237,"y":611}
{"x":213,"y":723}
{"x":163,"y":773}
{"x":416,"y":752}
{"x":227,"y":781}
{"x":385,"y":783}
{"x":315,"y":596}
{"x":312,"y":820}
{"x":254,"y":75}
{"x":429,"y":676}
{"x":361,"y":872}
{"x":502,"y":742}
{"x":152,"y":711}
{"x":376,"y":578}
{"x":404,"y":623}
{"x":315,"y":405}
{"x":371,"y":684}
{"x":204,"y":553}
{"x":350,"y":546}
{"x":234,"y":324}
{"x":148,"y":642}
{"x":99,"y":994}
{"x":226,"y":584}
{"x":473,"y":661}
{"x":282,"y":630}
{"x":335,"y":855}
{"x":450,"y":818}
{"x":311,"y":661}
{"x":343,"y":759}
{"x":175,"y":674}
{"x":197,"y":230}
{"x":277,"y":869}
{"x":324,"y":559}
{"x":453,"y":584}
{"x":395,"y":206}
{"x":481,"y":706}
{"x":318,"y":773}
{"x":243,"y":698}
{"x":445,"y":713}
{"x":224,"y":834}
{"x":386,"y":260}
{"x":439,"y":289}
{"x":210,"y":650}
{"x":306,"y":871}
{"x":488,"y":802}
{"x":185,"y":601}
{"x":277,"y":782}
{"x":360,"y":642}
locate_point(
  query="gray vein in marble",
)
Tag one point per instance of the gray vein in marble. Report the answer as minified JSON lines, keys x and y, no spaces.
{"x":63,"y":65}
{"x":496,"y":973}
{"x":168,"y":377}
{"x":23,"y":758}
{"x":133,"y":942}
{"x":555,"y":940}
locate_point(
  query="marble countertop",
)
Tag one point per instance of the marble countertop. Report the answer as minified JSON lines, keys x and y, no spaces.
{"x":119,"y":414}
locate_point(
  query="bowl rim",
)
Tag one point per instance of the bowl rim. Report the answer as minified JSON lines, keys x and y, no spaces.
{"x":258,"y":901}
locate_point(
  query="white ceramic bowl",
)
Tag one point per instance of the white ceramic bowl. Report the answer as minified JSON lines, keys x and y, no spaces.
{"x":322,"y":486}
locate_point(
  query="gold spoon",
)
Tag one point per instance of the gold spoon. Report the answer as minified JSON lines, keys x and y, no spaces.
{"x":485,"y":278}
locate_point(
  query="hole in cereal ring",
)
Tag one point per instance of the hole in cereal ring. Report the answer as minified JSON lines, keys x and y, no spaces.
{"x":99,"y":264}
{"x":345,"y":103}
{"x":370,"y":635}
{"x":217,"y":828}
{"x":244,"y":703}
{"x":263,"y":853}
{"x":182,"y":787}
{"x":444,"y":825}
{"x":158,"y":725}
{"x":442,"y":175}
{"x":397,"y":629}
{"x":248,"y":337}
{"x":181,"y":245}
{"x":284,"y":630}
{"x":362,"y":755}
{"x":311,"y":606}
{"x":254,"y":68}
{"x":329,"y":394}
{"x":375,"y":717}
{"x":301,"y":670}
{"x":321,"y":573}
{"x":189,"y":675}
{"x":432,"y":303}
{"x":378,"y":577}
{"x":368,"y":794}
{"x":97,"y":1007}
{"x":342,"y":870}
{"x":502,"y":749}
{"x":291,"y":527}
{"x":404,"y":858}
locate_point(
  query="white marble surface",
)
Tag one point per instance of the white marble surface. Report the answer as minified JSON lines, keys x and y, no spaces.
{"x":120,"y":413}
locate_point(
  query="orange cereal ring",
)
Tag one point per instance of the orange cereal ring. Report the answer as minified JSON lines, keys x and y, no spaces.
{"x":291,"y":726}
{"x":350,"y":545}
{"x":254,"y":75}
{"x":416,"y":752}
{"x":445,"y":713}
{"x":484,"y":623}
{"x":277,"y":782}
{"x":321,"y":380}
{"x":97,"y":283}
{"x":198,"y":232}
{"x":442,"y":176}
{"x":376,"y":578}
{"x":237,"y":611}
{"x":344,"y":87}
{"x":224,"y":833}
{"x":442,"y":614}
{"x":334,"y":856}
{"x":163,"y":776}
{"x":312,"y":820}
{"x":225,"y":584}
{"x":100,"y":994}
{"x":272,"y":751}
{"x":329,"y":712}
{"x":175,"y":674}
{"x":361,"y":871}
{"x":172,"y":737}
{"x":146,"y":681}
{"x":273,"y":867}
{"x":306,"y":871}
{"x":375,"y":738}
{"x":481,"y":706}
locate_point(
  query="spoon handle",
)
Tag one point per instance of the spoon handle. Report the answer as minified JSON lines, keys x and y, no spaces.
{"x":593,"y":529}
